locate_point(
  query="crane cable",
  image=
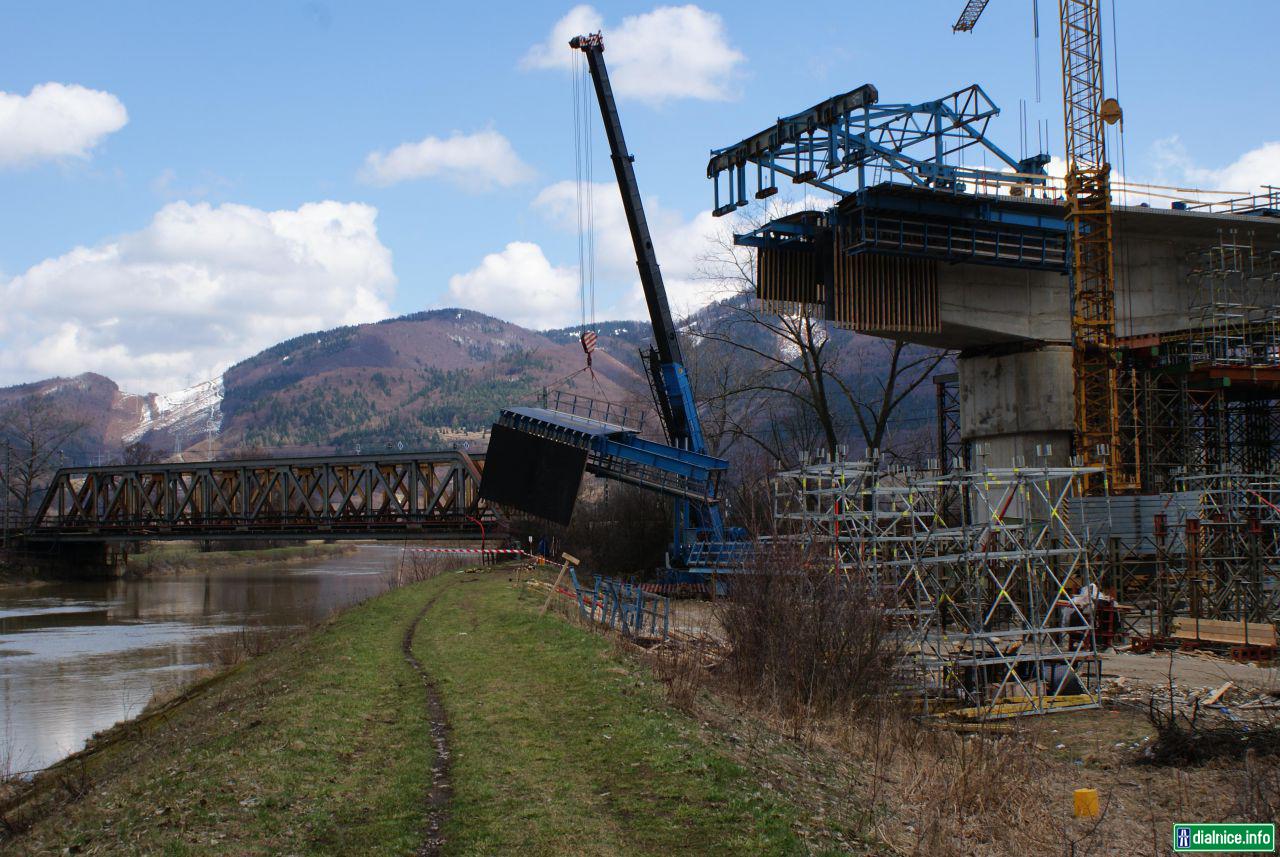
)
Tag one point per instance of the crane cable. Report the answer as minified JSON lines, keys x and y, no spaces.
{"x":585,"y":199}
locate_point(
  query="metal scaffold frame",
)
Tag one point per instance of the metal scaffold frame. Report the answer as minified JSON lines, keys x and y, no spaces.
{"x":1204,"y":407}
{"x":1236,"y":313}
{"x":981,"y":571}
{"x":1221,"y":561}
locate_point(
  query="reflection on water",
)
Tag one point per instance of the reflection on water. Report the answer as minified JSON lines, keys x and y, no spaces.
{"x":78,"y":657}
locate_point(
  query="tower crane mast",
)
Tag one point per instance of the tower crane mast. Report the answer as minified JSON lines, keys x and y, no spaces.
{"x":1089,"y":216}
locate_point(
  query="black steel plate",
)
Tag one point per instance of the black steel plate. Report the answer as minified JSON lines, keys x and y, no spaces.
{"x":532,"y":474}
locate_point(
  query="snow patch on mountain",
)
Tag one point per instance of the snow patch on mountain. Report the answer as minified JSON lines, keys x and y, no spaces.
{"x":196,"y":409}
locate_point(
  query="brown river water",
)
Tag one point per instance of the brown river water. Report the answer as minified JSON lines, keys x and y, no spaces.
{"x":77,"y":657}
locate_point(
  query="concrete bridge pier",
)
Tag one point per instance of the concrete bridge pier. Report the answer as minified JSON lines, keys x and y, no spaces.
{"x":1016,"y":408}
{"x":80,"y":560}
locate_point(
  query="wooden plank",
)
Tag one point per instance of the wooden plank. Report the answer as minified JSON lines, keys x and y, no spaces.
{"x":1222,"y":631}
{"x":569,"y":560}
{"x":1217,"y":694}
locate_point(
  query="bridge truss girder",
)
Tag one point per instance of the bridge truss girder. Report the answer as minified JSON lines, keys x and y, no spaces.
{"x":401,"y":496}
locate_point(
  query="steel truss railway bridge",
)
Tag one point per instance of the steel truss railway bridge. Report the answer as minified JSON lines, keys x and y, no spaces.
{"x":425,"y":495}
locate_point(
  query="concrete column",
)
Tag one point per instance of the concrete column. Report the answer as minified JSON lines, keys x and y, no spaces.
{"x":1010,"y":404}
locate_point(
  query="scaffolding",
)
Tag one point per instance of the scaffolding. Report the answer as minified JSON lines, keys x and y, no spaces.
{"x":993,"y":596}
{"x":1236,"y":313}
{"x":1221,"y":561}
{"x":1204,"y":407}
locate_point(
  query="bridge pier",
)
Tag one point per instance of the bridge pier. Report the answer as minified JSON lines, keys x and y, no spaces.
{"x":1018,"y":408}
{"x":67,"y":560}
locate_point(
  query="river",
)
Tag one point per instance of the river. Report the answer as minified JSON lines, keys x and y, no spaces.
{"x":77,"y":657}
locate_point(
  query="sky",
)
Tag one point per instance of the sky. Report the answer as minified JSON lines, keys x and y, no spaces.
{"x":186,"y":184}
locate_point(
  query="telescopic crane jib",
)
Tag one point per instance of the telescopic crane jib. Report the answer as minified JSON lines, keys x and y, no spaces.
{"x":537,"y":455}
{"x":673,"y":394}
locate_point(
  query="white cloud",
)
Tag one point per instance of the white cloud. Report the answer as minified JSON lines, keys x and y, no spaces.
{"x":483,"y":160}
{"x":682,"y":245}
{"x":195,"y":290}
{"x":1246,"y":174}
{"x":56,"y":121}
{"x":555,"y":51}
{"x":671,"y":52}
{"x":519,"y":285}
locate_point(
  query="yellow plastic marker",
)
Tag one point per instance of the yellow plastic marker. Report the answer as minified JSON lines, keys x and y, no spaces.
{"x":1086,"y":801}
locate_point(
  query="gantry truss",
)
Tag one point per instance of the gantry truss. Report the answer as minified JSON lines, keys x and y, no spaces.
{"x":987,"y":581}
{"x":853,"y":136}
{"x":405,"y":495}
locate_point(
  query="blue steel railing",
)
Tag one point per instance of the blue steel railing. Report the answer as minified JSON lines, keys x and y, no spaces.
{"x":623,"y":607}
{"x":606,"y":412}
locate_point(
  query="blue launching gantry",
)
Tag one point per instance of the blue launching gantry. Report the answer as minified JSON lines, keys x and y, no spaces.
{"x":854,"y":135}
{"x":916,"y":186}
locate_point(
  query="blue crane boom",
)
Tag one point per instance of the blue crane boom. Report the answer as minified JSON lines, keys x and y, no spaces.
{"x":683,"y":427}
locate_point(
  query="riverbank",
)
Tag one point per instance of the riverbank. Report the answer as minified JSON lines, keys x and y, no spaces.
{"x":558,"y":745}
{"x":181,"y":557}
{"x":171,"y":558}
{"x":562,"y":740}
{"x":315,"y":747}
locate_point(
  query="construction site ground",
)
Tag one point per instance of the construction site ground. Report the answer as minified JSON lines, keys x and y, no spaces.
{"x":1196,"y":671}
{"x":1201,"y":670}
{"x":1000,"y":787}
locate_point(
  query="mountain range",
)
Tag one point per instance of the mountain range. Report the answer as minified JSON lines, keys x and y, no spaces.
{"x":416,"y":381}
{"x":424,"y":380}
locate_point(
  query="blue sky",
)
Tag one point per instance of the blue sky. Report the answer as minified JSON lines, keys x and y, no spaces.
{"x":159,"y":248}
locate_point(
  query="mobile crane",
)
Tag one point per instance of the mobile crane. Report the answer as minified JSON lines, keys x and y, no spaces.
{"x":522,"y":471}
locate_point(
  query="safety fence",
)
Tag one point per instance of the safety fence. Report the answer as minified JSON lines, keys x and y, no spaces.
{"x":483,"y":555}
{"x":623,"y":607}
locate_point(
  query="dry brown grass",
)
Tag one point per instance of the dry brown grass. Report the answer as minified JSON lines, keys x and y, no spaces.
{"x":233,"y":647}
{"x":415,"y":567}
{"x":925,"y":787}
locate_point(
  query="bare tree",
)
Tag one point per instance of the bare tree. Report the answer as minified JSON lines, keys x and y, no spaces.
{"x":34,"y":433}
{"x":140,"y":452}
{"x":804,"y":383}
{"x":908,"y":367}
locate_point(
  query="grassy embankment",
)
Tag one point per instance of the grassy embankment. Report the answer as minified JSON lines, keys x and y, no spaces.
{"x":168,"y":557}
{"x":323,"y":746}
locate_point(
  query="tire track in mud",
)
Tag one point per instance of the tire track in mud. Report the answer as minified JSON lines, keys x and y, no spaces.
{"x":440,"y":794}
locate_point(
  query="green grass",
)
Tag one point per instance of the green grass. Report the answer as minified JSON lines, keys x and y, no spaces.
{"x":560,"y":747}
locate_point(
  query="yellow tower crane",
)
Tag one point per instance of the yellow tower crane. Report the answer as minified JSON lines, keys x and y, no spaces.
{"x":1088,"y":195}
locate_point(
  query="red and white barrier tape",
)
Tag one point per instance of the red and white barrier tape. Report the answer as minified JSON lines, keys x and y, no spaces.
{"x":486,"y":551}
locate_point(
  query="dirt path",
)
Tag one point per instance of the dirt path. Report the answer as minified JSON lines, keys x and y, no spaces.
{"x":438,"y":797}
{"x":1188,"y":670}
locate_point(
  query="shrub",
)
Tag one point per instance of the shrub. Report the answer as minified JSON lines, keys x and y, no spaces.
{"x":806,"y":639}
